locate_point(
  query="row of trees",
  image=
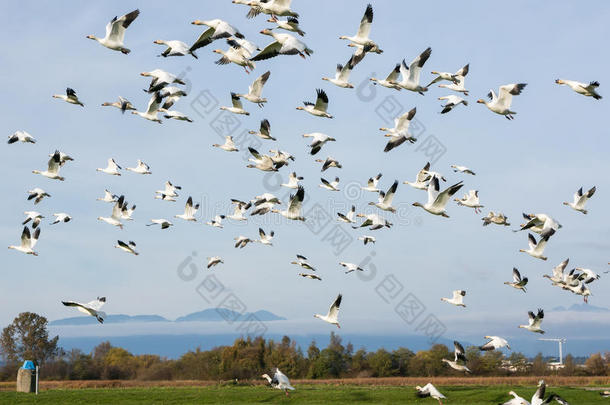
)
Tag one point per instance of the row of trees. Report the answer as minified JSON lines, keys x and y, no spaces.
{"x":248,"y":358}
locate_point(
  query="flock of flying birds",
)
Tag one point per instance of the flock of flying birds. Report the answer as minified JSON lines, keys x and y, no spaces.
{"x":165,"y":93}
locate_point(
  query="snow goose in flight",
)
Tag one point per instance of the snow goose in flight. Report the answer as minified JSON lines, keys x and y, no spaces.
{"x":33,"y":216}
{"x":318,"y":140}
{"x":28,"y":241}
{"x":580,"y":199}
{"x":450,"y":77}
{"x":333,"y":312}
{"x":37,"y":194}
{"x":264,"y":238}
{"x":457,"y":299}
{"x":332,"y":186}
{"x":452,"y":102}
{"x":129,"y":247}
{"x":437,"y":200}
{"x":169,"y":190}
{"x":154,"y":104}
{"x":587,"y":276}
{"x":371,"y":184}
{"x":261,"y":162}
{"x":342,"y":73}
{"x":349,"y":217}
{"x":115,"y":32}
{"x":175,"y":48}
{"x":255,"y":90}
{"x":500,"y":104}
{"x":367,"y":239}
{"x":581,"y":289}
{"x":69,"y":97}
{"x":112,"y":168}
{"x":493,"y":218}
{"x":239,"y":211}
{"x":459,"y":354}
{"x":141,"y":168}
{"x":534,"y":322}
{"x":585,"y":89}
{"x":171,"y":94}
{"x":175,"y":115}
{"x":374,"y":221}
{"x":400,"y":133}
{"x":329,"y":162}
{"x":264,"y":132}
{"x":302,"y":261}
{"x":265,"y":198}
{"x":91,"y":308}
{"x":21,"y":136}
{"x":495,"y":342}
{"x":459,"y":87}
{"x":216,"y":29}
{"x":540,"y":223}
{"x":189,"y":211}
{"x":53,"y":166}
{"x":293,"y":211}
{"x":390,"y":81}
{"x":116,"y":216}
{"x":163,"y":222}
{"x":462,"y":169}
{"x":239,"y":52}
{"x":536,"y":249}
{"x":410,"y":74}
{"x":430,"y":390}
{"x":126,"y":212}
{"x":123,"y":104}
{"x":422,"y":179}
{"x":160,"y":79}
{"x":385,"y":199}
{"x":213,"y":261}
{"x":241,"y":241}
{"x":291,"y":24}
{"x":216,"y":222}
{"x":557,"y":277}
{"x":518,"y":282}
{"x":272,"y":7}
{"x":61,"y":217}
{"x":293,"y":181}
{"x":470,"y":200}
{"x":362,"y":36}
{"x":236,"y":106}
{"x":351,"y":267}
{"x":228,"y":146}
{"x":310,"y":276}
{"x":279,"y":381}
{"x":319,"y":108}
{"x":538,"y":398}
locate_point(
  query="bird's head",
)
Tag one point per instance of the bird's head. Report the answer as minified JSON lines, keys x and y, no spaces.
{"x":266,"y":31}
{"x":158,"y":42}
{"x":300,"y":108}
{"x":199,"y":22}
{"x":416,"y":204}
{"x":145,"y":74}
{"x":325,"y":78}
{"x":344,"y":37}
{"x":272,"y":19}
{"x":91,"y":37}
{"x":481,"y":101}
{"x":559,"y":81}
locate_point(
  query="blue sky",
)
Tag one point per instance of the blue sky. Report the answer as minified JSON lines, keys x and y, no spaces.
{"x":556,"y":144}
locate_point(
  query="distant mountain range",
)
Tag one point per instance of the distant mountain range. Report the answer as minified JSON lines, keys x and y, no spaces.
{"x":581,"y":308}
{"x":207,"y":315}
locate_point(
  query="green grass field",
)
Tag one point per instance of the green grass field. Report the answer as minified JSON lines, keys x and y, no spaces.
{"x":305,"y":394}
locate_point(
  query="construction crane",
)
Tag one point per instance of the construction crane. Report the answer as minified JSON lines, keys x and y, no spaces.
{"x":561,"y":341}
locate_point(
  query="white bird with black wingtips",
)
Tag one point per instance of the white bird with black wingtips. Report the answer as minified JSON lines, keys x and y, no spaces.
{"x":390,"y":80}
{"x":34,"y":216}
{"x":164,"y":223}
{"x":228,"y":146}
{"x":437,"y":200}
{"x":385,"y":199}
{"x":189,"y":211}
{"x":349,"y":217}
{"x":213,"y":261}
{"x":333,"y":313}
{"x":115,"y":32}
{"x":400,"y":133}
{"x":318,"y":140}
{"x":152,"y":109}
{"x":293,"y":181}
{"x":37,"y":194}
{"x":117,"y":213}
{"x":471,"y":200}
{"x":536,"y":249}
{"x":450,"y":77}
{"x":367,"y":239}
{"x":430,"y":390}
{"x":585,"y":89}
{"x":535,"y":320}
{"x":112,"y":168}
{"x":123,"y":104}
{"x":319,"y":108}
{"x":141,"y":168}
{"x":293,"y":211}
{"x":279,"y":381}
{"x":53,"y":166}
{"x":580,"y":199}
{"x":264,"y":238}
{"x":518,"y":282}
{"x":28,"y":242}
{"x":462,"y":169}
{"x":70,"y":97}
{"x":457,"y":299}
{"x":20,"y":136}
{"x":129,"y":247}
{"x":302,"y":261}
{"x":256,"y":89}
{"x":409,"y":79}
{"x":283,"y":44}
{"x":494,"y":343}
{"x":459,"y":354}
{"x":264,"y":131}
{"x":371,"y":184}
{"x":91,"y":308}
{"x":500,"y":104}
{"x":61,"y":217}
{"x":342,"y":73}
{"x":351,"y":267}
{"x":364,"y":30}
{"x":451,"y":102}
{"x":330,"y":185}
